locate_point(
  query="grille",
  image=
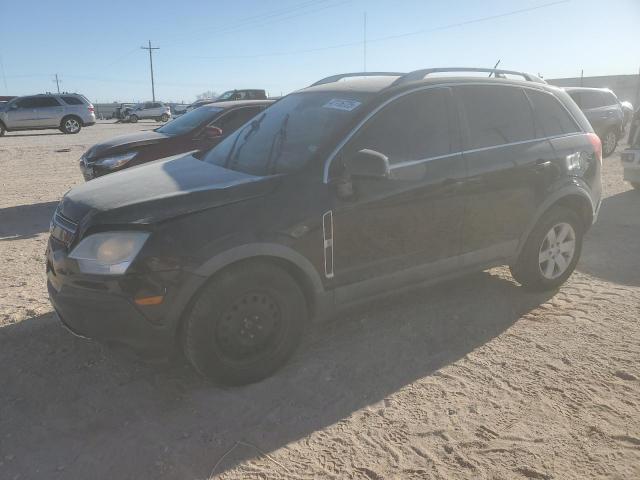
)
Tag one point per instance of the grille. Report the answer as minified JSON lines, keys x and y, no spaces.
{"x":63,"y":229}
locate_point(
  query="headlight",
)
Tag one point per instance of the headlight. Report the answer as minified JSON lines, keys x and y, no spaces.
{"x":108,"y":253}
{"x":116,"y":161}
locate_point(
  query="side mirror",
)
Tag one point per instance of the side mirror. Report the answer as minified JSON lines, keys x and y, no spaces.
{"x":212,"y":132}
{"x":368,"y":163}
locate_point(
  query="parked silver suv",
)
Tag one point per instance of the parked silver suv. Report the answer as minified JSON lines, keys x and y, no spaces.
{"x":155,"y":110}
{"x":68,"y":112}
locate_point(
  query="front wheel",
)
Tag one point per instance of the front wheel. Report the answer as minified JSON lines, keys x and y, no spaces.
{"x":164,"y":117}
{"x":551,"y":252}
{"x":71,"y":125}
{"x":245,"y":324}
{"x":609,"y":143}
{"x":133,"y":118}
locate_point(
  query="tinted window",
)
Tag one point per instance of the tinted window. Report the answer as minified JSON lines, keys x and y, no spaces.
{"x":413,"y":127}
{"x":552,"y":118}
{"x":38,"y":102}
{"x":189,"y":121}
{"x":233,"y":120}
{"x":72,"y":101}
{"x":592,"y":100}
{"x":496,"y":115}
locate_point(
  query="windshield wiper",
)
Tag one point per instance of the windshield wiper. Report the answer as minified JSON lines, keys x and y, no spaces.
{"x":255,"y":126}
{"x":280,"y":138}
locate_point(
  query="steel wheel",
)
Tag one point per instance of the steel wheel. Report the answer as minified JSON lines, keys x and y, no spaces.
{"x":609,"y":144}
{"x":557,"y":251}
{"x":71,"y":125}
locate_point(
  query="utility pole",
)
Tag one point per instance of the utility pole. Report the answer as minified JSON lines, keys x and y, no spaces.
{"x":150,"y":48}
{"x":581,"y":76}
{"x":364,"y":43}
{"x":57,"y":83}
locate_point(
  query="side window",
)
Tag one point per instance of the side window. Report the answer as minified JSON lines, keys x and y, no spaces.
{"x":496,"y":115}
{"x":46,"y":102}
{"x":25,"y":102}
{"x":592,"y":100}
{"x":233,"y":120}
{"x":551,"y":117}
{"x":414,"y":127}
{"x":147,"y":105}
{"x":72,"y":100}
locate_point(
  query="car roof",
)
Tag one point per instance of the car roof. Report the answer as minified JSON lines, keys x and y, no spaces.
{"x":237,"y":103}
{"x":377,"y":84}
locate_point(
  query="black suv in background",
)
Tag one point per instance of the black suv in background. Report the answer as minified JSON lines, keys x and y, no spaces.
{"x":604,"y":112}
{"x":335,"y":194}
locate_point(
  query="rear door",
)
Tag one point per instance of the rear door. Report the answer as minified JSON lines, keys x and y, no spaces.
{"x":50,"y":111}
{"x":408,"y":225}
{"x":507,"y":165}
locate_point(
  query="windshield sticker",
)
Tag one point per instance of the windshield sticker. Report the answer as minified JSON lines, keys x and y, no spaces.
{"x":340,"y":104}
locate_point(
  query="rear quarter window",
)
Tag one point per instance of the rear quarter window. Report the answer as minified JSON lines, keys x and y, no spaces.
{"x":495,"y":115}
{"x":72,"y":100}
{"x":552,"y":119}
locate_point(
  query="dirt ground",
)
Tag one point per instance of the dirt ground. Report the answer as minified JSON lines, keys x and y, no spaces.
{"x":472,"y":379}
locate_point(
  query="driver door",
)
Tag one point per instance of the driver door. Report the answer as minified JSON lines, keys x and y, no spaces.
{"x":24,"y":116}
{"x":393,"y":231}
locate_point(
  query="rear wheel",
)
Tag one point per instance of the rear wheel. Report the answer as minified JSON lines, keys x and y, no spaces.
{"x":70,"y":125}
{"x":2,"y":129}
{"x":133,"y":118}
{"x":245,"y":324}
{"x":551,"y":252}
{"x":609,"y":143}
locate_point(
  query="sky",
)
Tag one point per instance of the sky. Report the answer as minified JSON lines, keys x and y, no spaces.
{"x":281,"y":46}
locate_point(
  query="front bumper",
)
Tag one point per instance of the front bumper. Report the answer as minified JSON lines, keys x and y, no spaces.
{"x":104,"y":308}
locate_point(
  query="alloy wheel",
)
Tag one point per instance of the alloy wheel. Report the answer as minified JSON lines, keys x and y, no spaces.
{"x":609,"y":144}
{"x":557,"y":250}
{"x":72,"y":125}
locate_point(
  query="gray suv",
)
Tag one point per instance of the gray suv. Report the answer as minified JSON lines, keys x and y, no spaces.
{"x":604,"y":112}
{"x":68,"y":112}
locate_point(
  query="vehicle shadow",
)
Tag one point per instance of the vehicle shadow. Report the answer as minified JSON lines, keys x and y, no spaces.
{"x":25,"y":221}
{"x":70,"y":408}
{"x":612,"y":246}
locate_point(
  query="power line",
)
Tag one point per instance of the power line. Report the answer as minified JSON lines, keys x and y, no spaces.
{"x":150,"y":48}
{"x":389,"y":37}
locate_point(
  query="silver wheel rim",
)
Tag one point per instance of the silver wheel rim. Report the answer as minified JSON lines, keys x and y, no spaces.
{"x":72,"y":125}
{"x":609,"y":142}
{"x":557,"y":250}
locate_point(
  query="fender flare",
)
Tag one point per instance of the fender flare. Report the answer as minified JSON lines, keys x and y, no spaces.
{"x":252,"y":250}
{"x":552,"y":199}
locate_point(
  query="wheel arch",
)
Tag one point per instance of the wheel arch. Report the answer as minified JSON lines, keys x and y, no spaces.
{"x":286,"y":258}
{"x":574,"y":198}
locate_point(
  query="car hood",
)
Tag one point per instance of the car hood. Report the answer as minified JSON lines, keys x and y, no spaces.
{"x":159,"y":190}
{"x":124,"y":142}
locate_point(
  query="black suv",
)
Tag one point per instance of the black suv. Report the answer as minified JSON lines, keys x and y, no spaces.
{"x":335,"y":194}
{"x":604,"y":112}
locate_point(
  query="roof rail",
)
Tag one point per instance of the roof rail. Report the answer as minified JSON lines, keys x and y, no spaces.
{"x":335,"y":78}
{"x":499,"y":73}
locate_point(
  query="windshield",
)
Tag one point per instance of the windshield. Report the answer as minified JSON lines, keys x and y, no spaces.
{"x":286,"y":136}
{"x":187,"y":122}
{"x":226,"y":95}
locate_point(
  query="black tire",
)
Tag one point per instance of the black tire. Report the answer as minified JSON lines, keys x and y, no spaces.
{"x":70,"y":125}
{"x":2,"y":129}
{"x":245,"y":324}
{"x":527,"y":270}
{"x":164,"y":117}
{"x":609,"y":143}
{"x":133,"y":119}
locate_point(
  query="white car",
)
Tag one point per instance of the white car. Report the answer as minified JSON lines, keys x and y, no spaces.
{"x":155,"y":110}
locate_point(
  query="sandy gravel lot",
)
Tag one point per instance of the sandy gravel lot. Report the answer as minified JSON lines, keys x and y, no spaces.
{"x":472,"y":379}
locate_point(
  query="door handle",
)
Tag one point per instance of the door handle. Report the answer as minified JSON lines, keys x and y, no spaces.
{"x":542,"y":164}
